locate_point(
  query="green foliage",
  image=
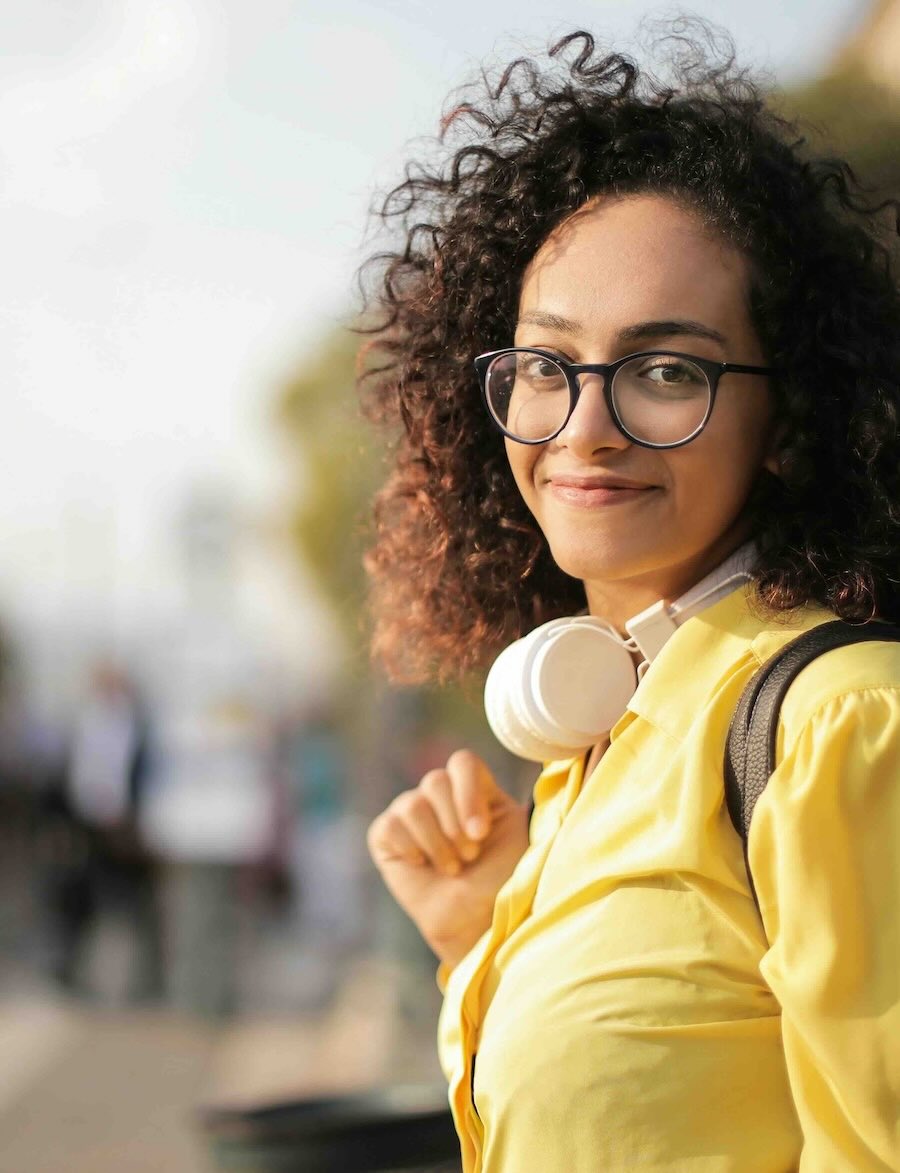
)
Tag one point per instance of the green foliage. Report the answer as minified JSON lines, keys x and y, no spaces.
{"x":854,"y":118}
{"x":342,"y":462}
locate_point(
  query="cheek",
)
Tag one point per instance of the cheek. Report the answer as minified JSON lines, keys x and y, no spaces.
{"x":522,"y":459}
{"x":714,"y":476}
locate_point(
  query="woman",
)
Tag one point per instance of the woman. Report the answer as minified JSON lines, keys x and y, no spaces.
{"x":614,"y":999}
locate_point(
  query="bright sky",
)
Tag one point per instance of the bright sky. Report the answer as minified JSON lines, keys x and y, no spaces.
{"x":184,"y":187}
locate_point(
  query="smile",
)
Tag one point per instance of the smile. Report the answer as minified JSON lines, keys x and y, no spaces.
{"x":597,"y":492}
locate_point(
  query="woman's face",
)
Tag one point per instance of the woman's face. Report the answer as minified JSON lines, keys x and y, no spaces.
{"x":637,"y":524}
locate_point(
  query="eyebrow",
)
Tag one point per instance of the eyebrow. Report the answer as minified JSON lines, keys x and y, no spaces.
{"x":667,"y":328}
{"x":639,"y":332}
{"x":551,"y":321}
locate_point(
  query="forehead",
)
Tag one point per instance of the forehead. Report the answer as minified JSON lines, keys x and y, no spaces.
{"x":635,"y":258}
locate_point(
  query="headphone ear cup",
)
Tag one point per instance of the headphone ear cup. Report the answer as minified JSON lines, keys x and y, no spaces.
{"x":505,"y":709}
{"x":581,"y":677}
{"x":559,"y":689}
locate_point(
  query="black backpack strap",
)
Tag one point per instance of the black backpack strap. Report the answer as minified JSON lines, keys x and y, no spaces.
{"x":750,"y":749}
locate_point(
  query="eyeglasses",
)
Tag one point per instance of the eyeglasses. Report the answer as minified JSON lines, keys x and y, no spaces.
{"x":658,"y":398}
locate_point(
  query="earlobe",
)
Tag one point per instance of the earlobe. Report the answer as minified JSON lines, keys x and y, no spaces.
{"x":774,"y":461}
{"x":772,"y":464}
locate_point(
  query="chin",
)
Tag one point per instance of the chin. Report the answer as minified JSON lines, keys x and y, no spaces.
{"x":655,"y":568}
{"x":595,"y":564}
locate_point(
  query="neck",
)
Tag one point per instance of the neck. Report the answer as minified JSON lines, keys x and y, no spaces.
{"x":619,"y":601}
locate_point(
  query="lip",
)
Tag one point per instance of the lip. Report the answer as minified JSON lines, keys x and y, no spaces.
{"x":597,"y":490}
{"x":596,"y":481}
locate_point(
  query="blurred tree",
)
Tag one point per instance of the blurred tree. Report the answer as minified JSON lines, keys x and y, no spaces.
{"x":342,"y":462}
{"x":853,"y":109}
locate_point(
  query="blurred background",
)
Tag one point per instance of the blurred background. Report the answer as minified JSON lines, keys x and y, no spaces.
{"x":191,"y":739}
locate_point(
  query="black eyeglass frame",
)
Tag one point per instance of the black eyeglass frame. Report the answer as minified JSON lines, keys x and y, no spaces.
{"x":711,"y":369}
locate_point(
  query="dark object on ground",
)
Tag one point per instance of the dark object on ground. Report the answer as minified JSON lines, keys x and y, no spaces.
{"x":399,"y":1128}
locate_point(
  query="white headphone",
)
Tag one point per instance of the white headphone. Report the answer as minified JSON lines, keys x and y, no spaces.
{"x":561,"y":688}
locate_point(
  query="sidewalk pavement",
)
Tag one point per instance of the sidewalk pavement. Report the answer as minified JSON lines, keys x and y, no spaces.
{"x":87,"y":1090}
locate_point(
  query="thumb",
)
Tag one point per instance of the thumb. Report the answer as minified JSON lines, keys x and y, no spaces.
{"x":474,"y":792}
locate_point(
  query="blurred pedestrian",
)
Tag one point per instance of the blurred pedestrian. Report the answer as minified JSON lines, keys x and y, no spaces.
{"x":103,"y":866}
{"x":326,"y":839}
{"x":212,"y":820}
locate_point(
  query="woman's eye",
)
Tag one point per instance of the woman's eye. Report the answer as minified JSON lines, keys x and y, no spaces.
{"x":538,"y":368}
{"x":662,"y":378}
{"x":667,"y":373}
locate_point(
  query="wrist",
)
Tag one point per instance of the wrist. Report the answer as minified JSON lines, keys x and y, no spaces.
{"x":451,"y":948}
{"x":450,"y":952}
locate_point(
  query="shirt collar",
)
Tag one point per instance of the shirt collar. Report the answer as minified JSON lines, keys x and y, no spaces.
{"x":707,"y":651}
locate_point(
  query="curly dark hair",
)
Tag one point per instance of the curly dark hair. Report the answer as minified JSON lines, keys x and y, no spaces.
{"x":459,"y":568}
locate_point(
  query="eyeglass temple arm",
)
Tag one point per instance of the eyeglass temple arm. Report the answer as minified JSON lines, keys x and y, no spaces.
{"x":738,"y":368}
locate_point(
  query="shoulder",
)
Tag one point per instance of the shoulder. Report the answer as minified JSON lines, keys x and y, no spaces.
{"x":696,"y":681}
{"x":835,"y":791}
{"x":841,"y":684}
{"x":824,"y":832}
{"x":838,"y":746}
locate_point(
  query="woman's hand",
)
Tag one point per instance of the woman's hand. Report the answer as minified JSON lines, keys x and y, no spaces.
{"x":446,"y":848}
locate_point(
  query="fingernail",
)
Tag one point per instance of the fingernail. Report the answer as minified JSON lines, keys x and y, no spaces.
{"x":476,"y":827}
{"x":469,"y":851}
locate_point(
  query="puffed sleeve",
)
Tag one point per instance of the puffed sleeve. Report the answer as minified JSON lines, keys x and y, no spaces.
{"x":824,"y":852}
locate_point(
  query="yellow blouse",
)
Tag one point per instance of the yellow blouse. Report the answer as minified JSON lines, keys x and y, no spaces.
{"x":627,"y":1010}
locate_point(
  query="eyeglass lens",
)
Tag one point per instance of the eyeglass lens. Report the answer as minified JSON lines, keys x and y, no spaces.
{"x":659,"y":398}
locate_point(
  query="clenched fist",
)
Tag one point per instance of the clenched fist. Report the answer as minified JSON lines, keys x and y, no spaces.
{"x":445,"y":849}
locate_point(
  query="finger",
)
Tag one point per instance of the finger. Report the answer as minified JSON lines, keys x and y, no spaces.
{"x":389,"y":841}
{"x":420,"y":820}
{"x":438,"y":789}
{"x":473,"y":788}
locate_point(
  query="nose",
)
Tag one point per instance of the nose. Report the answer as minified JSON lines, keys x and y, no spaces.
{"x":590,"y":428}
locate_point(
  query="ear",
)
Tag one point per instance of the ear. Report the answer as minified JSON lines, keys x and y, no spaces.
{"x":773,"y":458}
